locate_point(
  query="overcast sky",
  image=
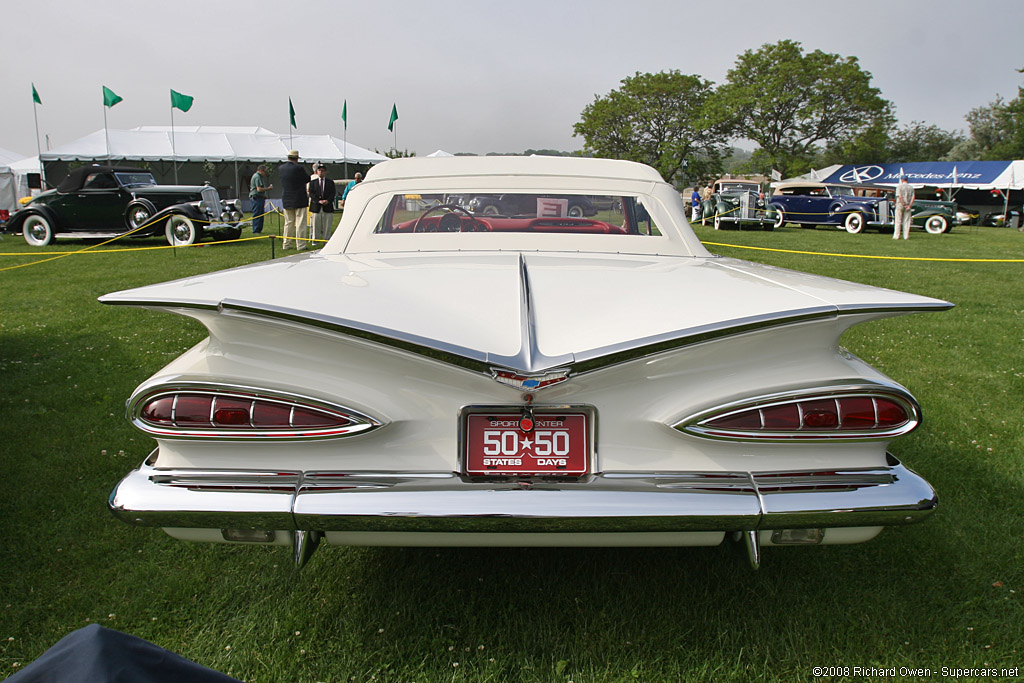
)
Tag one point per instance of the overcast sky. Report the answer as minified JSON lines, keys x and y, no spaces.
{"x":466,"y":76}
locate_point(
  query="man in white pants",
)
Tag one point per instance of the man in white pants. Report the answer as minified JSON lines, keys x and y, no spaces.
{"x":904,"y":209}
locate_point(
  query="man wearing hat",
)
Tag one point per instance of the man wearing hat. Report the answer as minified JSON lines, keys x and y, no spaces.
{"x":321,"y":202}
{"x":294,"y":201}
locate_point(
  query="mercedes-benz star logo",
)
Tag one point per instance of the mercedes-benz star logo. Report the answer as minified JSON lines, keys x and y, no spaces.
{"x":862,"y":174}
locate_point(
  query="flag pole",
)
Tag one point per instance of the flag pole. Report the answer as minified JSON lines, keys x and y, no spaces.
{"x":106,"y":135}
{"x":39,"y":149}
{"x":174,"y":155}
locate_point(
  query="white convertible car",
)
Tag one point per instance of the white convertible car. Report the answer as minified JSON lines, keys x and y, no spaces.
{"x":439,"y":377}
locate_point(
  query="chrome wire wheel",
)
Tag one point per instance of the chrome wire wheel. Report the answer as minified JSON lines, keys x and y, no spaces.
{"x":181,"y":231}
{"x":138,"y":215}
{"x":37,"y":231}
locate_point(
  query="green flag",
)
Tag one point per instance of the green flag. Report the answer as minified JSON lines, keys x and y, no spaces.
{"x":394,"y":117}
{"x":179,"y":101}
{"x":291,"y":112}
{"x":110,"y":98}
{"x":35,"y":95}
{"x":344,"y":114}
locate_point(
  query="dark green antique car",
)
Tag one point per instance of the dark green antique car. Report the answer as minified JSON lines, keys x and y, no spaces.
{"x":935,"y":216}
{"x":739,"y":204}
{"x":106,"y":201}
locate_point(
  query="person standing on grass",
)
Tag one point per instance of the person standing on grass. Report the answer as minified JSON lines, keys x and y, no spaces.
{"x":258,"y":188}
{"x":694,"y":205}
{"x":321,"y":202}
{"x":348,"y":188}
{"x":904,"y":209}
{"x":294,"y":201}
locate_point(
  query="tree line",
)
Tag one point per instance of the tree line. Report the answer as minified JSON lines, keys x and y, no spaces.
{"x":804,"y":110}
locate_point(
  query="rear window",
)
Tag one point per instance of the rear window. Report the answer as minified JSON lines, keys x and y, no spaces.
{"x":516,"y":212}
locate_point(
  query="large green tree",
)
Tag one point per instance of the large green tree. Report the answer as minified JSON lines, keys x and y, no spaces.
{"x":997,"y":131}
{"x":920,"y":141}
{"x":792,"y":103}
{"x":658,"y":119}
{"x":883,"y":143}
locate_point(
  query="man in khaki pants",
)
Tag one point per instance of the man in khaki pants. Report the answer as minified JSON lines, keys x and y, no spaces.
{"x":294,"y":201}
{"x":904,"y":209}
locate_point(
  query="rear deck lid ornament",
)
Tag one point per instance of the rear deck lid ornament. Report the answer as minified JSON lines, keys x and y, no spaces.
{"x":529,"y":382}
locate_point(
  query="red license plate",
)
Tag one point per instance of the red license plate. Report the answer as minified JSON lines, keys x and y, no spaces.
{"x":559,"y":444}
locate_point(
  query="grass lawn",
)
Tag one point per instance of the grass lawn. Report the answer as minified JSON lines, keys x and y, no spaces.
{"x":944,"y":593}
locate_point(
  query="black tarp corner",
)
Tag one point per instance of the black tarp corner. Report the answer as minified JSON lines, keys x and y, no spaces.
{"x":101,"y":655}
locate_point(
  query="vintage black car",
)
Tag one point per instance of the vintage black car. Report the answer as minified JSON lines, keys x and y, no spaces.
{"x":105,"y":201}
{"x":521,"y":204}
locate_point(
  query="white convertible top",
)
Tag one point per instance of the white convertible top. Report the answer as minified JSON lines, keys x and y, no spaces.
{"x":415,"y":176}
{"x":420,"y":167}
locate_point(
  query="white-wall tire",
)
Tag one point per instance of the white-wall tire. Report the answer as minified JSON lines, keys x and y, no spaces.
{"x":181,"y":231}
{"x":37,"y":231}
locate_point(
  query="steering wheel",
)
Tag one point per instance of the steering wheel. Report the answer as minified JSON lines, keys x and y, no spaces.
{"x":442,"y":225}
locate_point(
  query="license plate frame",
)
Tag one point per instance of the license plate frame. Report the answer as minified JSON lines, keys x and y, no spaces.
{"x":566,"y":441}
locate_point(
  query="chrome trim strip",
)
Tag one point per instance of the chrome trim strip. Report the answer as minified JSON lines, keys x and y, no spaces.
{"x":443,"y":501}
{"x":533,"y":361}
{"x":530,"y":356}
{"x":694,"y":423}
{"x":361,"y":422}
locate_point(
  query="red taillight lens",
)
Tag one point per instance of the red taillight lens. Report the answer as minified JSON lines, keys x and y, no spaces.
{"x":842,"y":416}
{"x":159,"y":411}
{"x":232,"y":412}
{"x":193,"y":414}
{"x":193,"y":411}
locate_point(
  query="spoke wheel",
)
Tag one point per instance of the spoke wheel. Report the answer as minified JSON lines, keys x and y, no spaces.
{"x":181,"y":231}
{"x":138,"y":215}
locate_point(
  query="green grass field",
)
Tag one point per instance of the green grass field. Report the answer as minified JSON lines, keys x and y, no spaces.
{"x":944,"y":593}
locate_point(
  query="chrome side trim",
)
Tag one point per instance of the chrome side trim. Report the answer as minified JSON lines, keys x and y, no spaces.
{"x":534,"y":362}
{"x":618,"y":502}
{"x":695,"y":424}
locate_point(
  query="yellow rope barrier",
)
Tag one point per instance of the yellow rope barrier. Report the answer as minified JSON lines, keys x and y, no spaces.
{"x":869,"y":256}
{"x":93,"y":249}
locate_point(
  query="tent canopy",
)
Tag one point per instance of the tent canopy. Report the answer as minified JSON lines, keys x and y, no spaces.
{"x":7,"y":157}
{"x":208,"y":143}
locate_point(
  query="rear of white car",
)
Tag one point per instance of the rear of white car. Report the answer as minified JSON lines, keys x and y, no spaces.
{"x":539,"y":379}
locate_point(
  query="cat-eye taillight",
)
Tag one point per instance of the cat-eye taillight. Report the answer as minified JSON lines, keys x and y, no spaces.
{"x":822,"y":415}
{"x":209,"y":411}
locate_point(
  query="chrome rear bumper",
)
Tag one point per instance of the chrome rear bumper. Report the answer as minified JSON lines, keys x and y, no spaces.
{"x":447,"y":502}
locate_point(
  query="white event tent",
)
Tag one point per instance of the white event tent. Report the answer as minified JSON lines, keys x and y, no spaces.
{"x":203,"y":153}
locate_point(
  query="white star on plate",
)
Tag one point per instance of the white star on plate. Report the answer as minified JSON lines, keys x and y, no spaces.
{"x":526,"y":443}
